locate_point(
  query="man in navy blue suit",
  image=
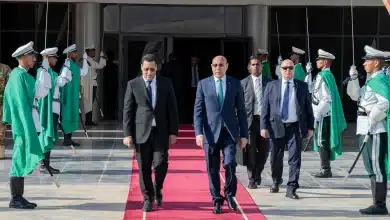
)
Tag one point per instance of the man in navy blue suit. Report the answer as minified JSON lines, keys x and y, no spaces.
{"x":286,"y":117}
{"x":220,"y":123}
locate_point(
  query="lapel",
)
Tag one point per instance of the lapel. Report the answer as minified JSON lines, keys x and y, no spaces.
{"x":264,"y":81}
{"x":251,"y":88}
{"x":297,"y":96}
{"x":278,"y":92}
{"x":213,"y":89}
{"x":143,"y":86}
{"x":158,"y":90}
{"x":228,"y":90}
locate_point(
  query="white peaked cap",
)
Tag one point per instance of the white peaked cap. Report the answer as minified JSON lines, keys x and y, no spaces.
{"x":24,"y":50}
{"x":262,"y":51}
{"x":322,"y":54}
{"x":91,"y":46}
{"x":372,"y":53}
{"x":50,"y":52}
{"x":298,"y":51}
{"x":69,"y":49}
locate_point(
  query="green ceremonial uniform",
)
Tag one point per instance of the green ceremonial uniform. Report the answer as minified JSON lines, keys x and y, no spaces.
{"x":70,"y":100}
{"x":299,"y":72}
{"x":380,"y":84}
{"x":49,"y":133}
{"x":337,"y":120}
{"x":17,"y":112}
{"x":266,"y":69}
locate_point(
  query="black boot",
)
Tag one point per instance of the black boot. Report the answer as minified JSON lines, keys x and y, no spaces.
{"x":88,"y":119}
{"x":325,"y":171}
{"x":17,"y":189}
{"x":47,"y":161}
{"x":379,"y":191}
{"x":68,"y":140}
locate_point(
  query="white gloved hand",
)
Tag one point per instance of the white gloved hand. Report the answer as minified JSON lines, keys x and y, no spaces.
{"x":309,"y":67}
{"x":85,"y":56}
{"x":45,"y":64}
{"x":353,"y":73}
{"x":280,"y":60}
{"x":101,"y":53}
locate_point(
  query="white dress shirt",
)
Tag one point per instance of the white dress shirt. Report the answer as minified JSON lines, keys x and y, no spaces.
{"x":257,"y":107}
{"x":154,"y":90}
{"x":223,"y":85}
{"x":292,"y":110}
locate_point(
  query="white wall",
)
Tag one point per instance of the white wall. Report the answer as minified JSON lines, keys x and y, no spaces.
{"x":228,"y":2}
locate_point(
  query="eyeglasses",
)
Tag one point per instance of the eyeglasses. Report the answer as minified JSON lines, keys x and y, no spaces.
{"x":287,"y":67}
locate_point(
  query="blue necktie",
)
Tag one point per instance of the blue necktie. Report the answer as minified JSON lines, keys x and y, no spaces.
{"x":286,"y":98}
{"x":220,"y":93}
{"x":149,"y":90}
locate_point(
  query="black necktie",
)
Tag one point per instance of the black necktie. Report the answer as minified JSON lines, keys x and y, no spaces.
{"x":149,"y":89}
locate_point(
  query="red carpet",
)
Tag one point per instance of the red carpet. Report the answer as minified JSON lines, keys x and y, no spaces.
{"x":186,"y":192}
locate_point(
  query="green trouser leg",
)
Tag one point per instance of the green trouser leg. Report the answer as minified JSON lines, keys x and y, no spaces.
{"x":374,"y":156}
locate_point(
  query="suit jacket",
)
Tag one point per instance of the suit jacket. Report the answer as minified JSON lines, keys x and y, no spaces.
{"x":209,"y":116}
{"x":270,"y":117}
{"x":138,"y":112}
{"x":249,"y":95}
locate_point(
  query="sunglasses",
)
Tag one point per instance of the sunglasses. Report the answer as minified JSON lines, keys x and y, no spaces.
{"x":220,"y":65}
{"x":287,"y":67}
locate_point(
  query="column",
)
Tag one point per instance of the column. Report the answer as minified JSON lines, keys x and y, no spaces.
{"x":89,"y":31}
{"x":257,"y":26}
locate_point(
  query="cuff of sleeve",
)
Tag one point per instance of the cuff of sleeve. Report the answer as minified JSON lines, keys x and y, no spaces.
{"x":376,"y":115}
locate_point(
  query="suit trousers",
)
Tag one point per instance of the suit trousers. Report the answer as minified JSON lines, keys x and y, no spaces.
{"x":147,"y":154}
{"x":213,"y":162}
{"x":257,"y":151}
{"x":292,"y":140}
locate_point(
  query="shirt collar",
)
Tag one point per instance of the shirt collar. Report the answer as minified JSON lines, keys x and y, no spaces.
{"x":376,"y":73}
{"x":256,"y":77}
{"x":22,"y":68}
{"x":284,"y":81}
{"x":223,"y":78}
{"x":153,"y":80}
{"x":326,"y":69}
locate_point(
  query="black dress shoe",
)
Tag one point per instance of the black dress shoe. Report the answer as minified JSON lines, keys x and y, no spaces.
{"x":147,"y":206}
{"x":21,"y":203}
{"x":252,"y":185}
{"x":231,"y":203}
{"x":217,"y":208}
{"x":292,"y":194}
{"x":258,"y":182}
{"x":323,"y":174}
{"x":274,"y":188}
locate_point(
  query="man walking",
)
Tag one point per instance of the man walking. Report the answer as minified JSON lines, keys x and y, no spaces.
{"x":286,"y":117}
{"x":328,"y":114}
{"x":257,"y":149}
{"x":151,"y":122}
{"x":220,"y":122}
{"x":4,"y":75}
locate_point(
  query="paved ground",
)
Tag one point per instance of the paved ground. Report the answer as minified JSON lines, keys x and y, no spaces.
{"x":95,"y":184}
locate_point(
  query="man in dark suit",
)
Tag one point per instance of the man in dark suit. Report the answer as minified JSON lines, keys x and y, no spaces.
{"x":150,"y":121}
{"x":220,"y":122}
{"x":286,"y":117}
{"x":257,"y":149}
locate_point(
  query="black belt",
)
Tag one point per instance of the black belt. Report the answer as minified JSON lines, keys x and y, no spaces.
{"x":256,"y":116}
{"x":289,"y":124}
{"x":361,"y":113}
{"x":56,"y":100}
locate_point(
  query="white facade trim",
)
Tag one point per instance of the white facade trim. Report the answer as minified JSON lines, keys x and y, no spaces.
{"x":225,"y":2}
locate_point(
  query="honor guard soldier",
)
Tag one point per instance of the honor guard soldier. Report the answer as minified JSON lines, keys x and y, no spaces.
{"x":49,"y":107}
{"x":18,"y":110}
{"x":263,"y":56}
{"x":70,"y":94}
{"x":299,"y":72}
{"x":373,"y":120}
{"x":89,"y":81}
{"x":4,"y":74}
{"x":328,"y":114}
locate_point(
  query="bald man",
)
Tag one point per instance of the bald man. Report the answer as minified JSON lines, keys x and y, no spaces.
{"x":286,"y":117}
{"x":220,"y":123}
